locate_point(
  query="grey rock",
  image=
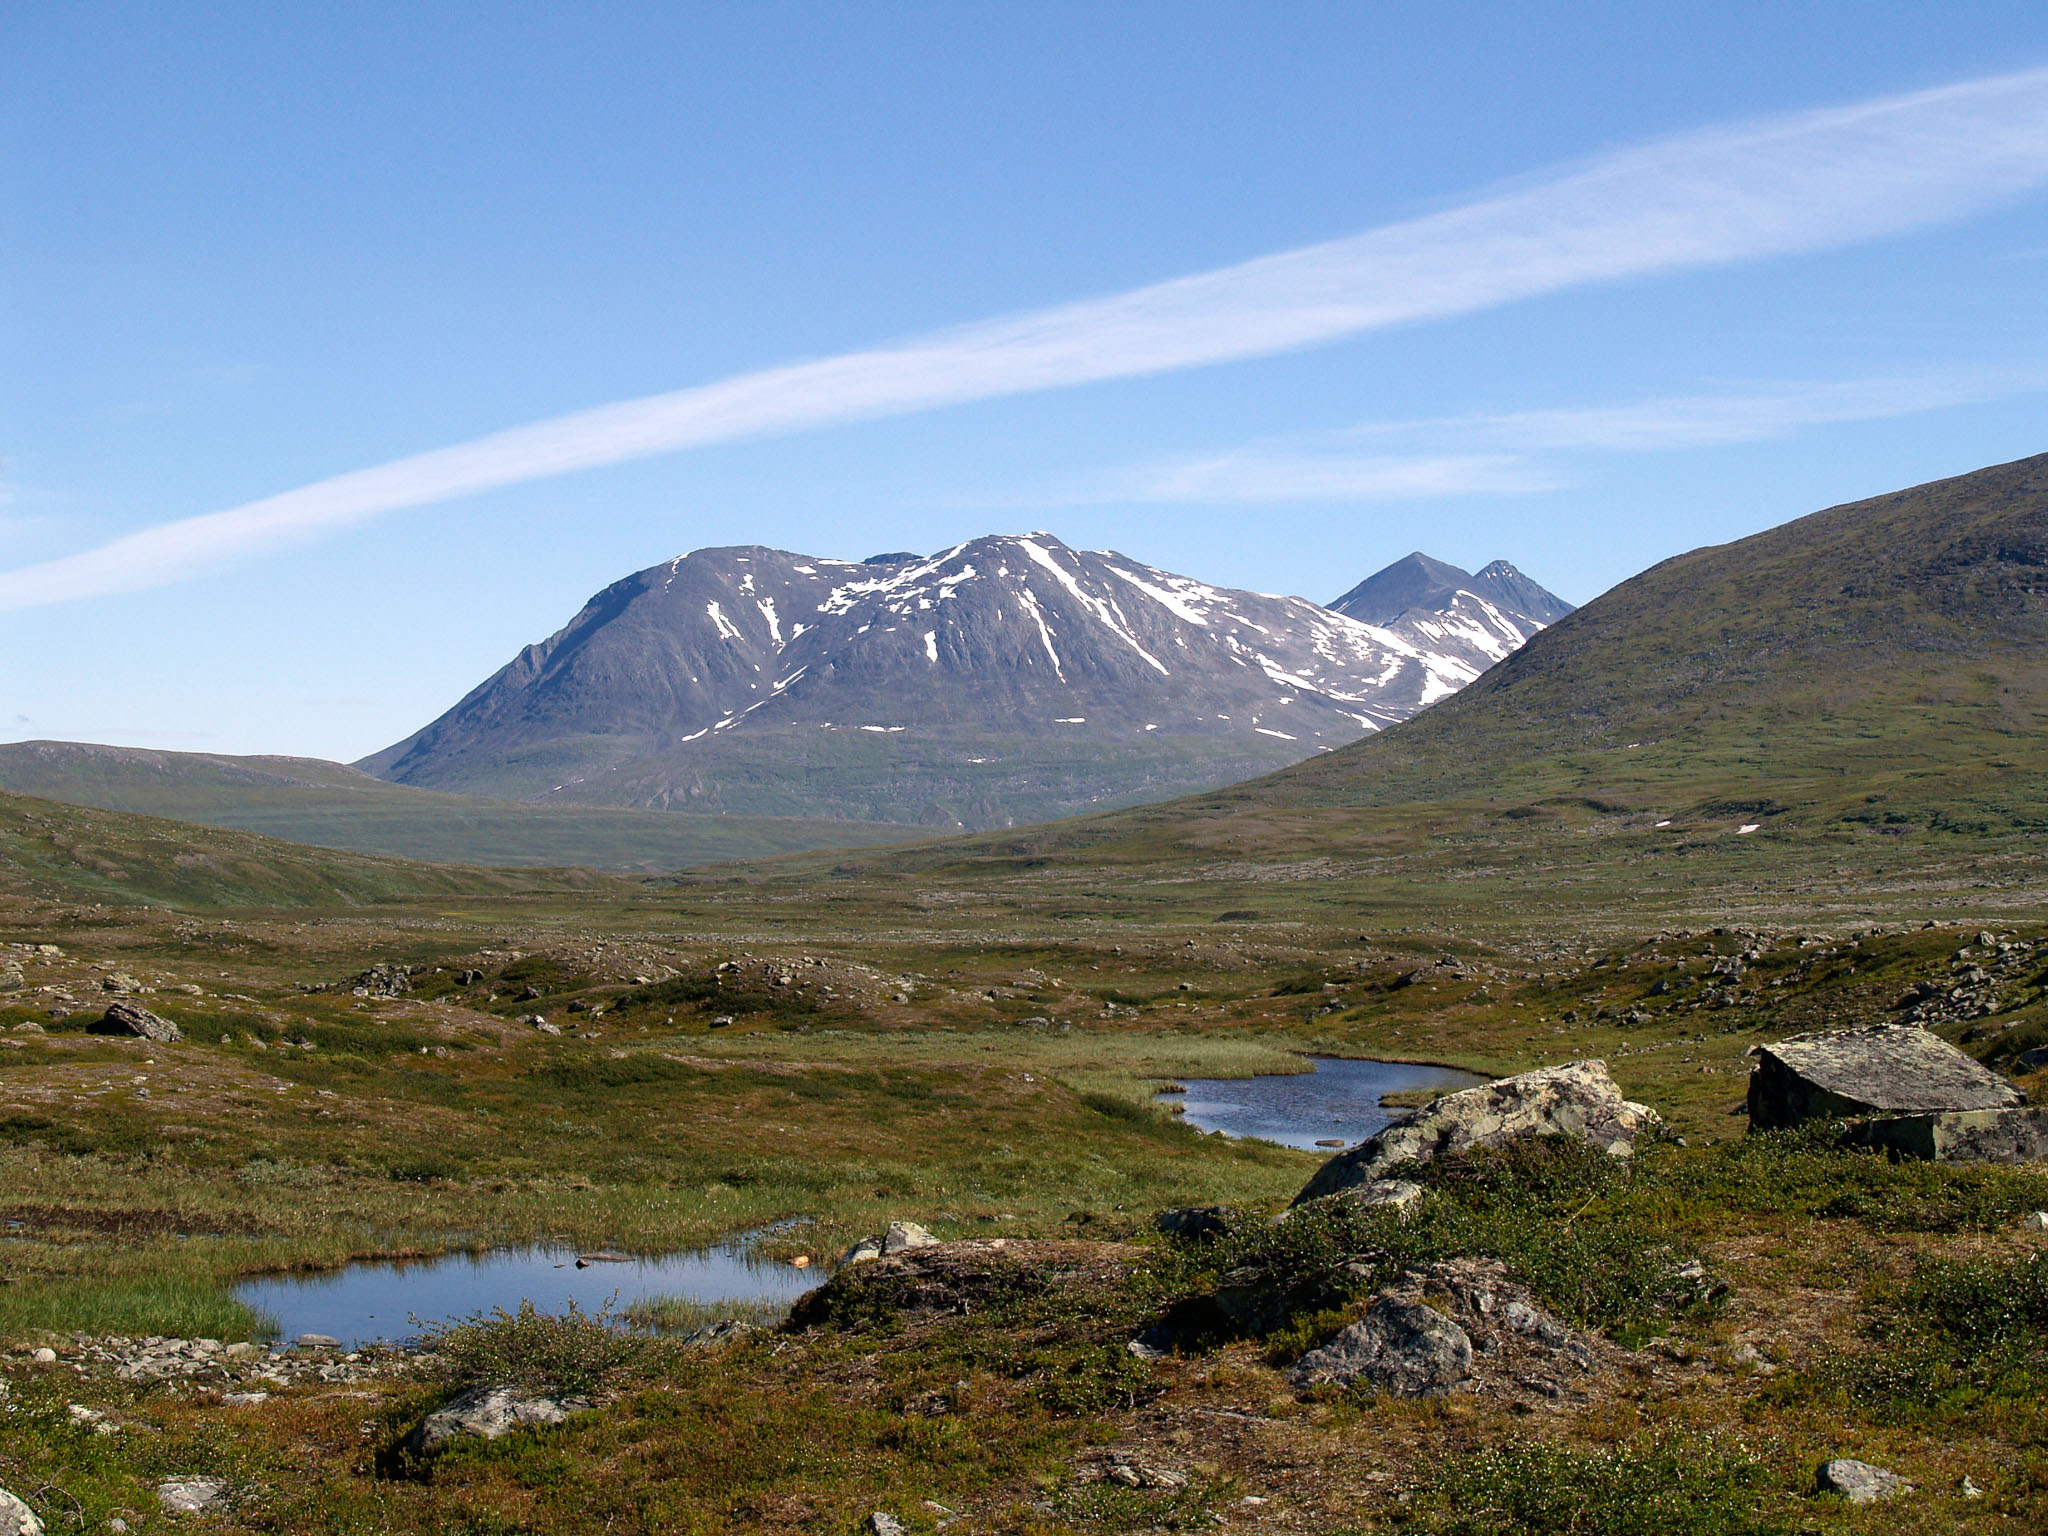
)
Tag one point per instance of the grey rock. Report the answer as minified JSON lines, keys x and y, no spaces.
{"x":1404,"y":1347}
{"x":905,"y":1235}
{"x":866,"y":1248}
{"x":1578,"y":1099}
{"x":16,"y":1518}
{"x":487,"y":1413}
{"x":881,"y":1523}
{"x":317,"y":1341}
{"x":128,"y":1019}
{"x":1861,"y":1483}
{"x":1959,"y":1136}
{"x":383,"y":980}
{"x":1880,"y":1069}
{"x":190,"y":1495}
{"x":2034,"y":1221}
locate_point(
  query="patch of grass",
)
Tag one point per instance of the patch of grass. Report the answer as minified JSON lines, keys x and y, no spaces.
{"x":175,"y":1306}
{"x":1671,"y":1484}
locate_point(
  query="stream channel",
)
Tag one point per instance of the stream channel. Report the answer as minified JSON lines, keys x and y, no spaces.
{"x":1335,"y":1104}
{"x":365,"y":1303}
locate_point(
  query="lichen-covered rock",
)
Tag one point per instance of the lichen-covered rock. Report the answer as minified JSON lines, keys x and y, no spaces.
{"x":1578,"y":1099}
{"x":1960,"y":1136}
{"x":487,"y":1413}
{"x":124,"y":1018}
{"x":1883,"y":1069}
{"x":961,"y":1278}
{"x":1861,"y":1483}
{"x":1401,"y":1195}
{"x":16,"y":1518}
{"x":190,"y":1495}
{"x":1407,"y":1348}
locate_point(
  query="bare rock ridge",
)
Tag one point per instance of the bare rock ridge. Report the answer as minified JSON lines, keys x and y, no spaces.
{"x":1008,"y":679}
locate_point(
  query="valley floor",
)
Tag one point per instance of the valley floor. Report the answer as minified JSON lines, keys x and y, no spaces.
{"x":366,"y":1081}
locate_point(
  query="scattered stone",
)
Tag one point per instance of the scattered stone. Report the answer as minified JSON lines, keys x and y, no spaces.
{"x":120,"y":981}
{"x":1404,"y":1347}
{"x":2017,"y":1135}
{"x":880,"y":1523}
{"x":1970,"y":1490}
{"x":16,"y":1518}
{"x":1579,"y":1099}
{"x":1880,"y":1069}
{"x":190,"y":1495}
{"x":723,"y":1331}
{"x":539,"y":1022}
{"x":2034,"y":1221}
{"x":244,"y":1399}
{"x":383,"y":980}
{"x":128,"y":1019}
{"x":1861,"y":1483}
{"x":44,"y":1356}
{"x":864,"y":1249}
{"x":317,"y":1341}
{"x":487,"y":1413}
{"x":903,"y":1235}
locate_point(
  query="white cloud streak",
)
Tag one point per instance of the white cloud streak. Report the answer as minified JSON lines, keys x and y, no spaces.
{"x":1490,"y":454}
{"x":1794,"y":183}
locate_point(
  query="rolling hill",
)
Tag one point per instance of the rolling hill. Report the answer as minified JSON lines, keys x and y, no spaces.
{"x":329,"y":805}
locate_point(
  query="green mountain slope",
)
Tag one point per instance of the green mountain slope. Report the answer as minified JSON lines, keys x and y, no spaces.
{"x":330,"y":805}
{"x":55,"y":852}
{"x":1851,"y":704}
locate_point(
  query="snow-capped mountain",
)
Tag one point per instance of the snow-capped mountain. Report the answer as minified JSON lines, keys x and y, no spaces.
{"x":1010,"y":677}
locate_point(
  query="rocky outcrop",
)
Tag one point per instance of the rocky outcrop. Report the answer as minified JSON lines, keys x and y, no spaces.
{"x":1578,"y":1099}
{"x":128,"y":1019}
{"x":383,"y":980}
{"x":1407,"y":1348}
{"x":16,"y":1518}
{"x":1883,"y":1069}
{"x":958,"y":1279}
{"x":1458,"y":1325}
{"x":486,"y":1413}
{"x":1195,"y":1223}
{"x":2017,"y":1135}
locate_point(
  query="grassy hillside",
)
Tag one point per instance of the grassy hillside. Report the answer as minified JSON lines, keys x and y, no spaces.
{"x":55,"y":852}
{"x":1864,"y":689}
{"x":330,"y":805}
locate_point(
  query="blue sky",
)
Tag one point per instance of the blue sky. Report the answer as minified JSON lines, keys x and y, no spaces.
{"x":1576,"y":286}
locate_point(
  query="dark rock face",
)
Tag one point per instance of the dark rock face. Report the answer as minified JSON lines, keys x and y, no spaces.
{"x":1194,"y":1223}
{"x":706,"y":682}
{"x":1578,"y":1099}
{"x":1959,"y":1136}
{"x":1459,"y":1325}
{"x":128,"y":1019}
{"x":1407,"y":1348}
{"x":1882,"y":1069}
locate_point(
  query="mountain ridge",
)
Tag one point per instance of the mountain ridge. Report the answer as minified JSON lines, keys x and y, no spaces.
{"x":1026,"y":679}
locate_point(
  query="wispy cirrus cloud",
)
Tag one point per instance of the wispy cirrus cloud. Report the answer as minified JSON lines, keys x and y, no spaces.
{"x":1518,"y":452}
{"x":1800,"y":182}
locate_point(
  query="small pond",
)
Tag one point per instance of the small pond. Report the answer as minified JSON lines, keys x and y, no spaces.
{"x":364,"y":1303}
{"x":1337,"y":1102}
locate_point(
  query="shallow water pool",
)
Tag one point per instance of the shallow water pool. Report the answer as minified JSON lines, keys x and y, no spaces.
{"x":389,"y":1301}
{"x":1336,"y":1104}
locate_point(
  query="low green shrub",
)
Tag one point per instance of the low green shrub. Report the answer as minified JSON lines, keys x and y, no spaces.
{"x":574,"y":1352}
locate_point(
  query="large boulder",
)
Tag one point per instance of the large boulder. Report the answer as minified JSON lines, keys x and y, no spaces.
{"x":128,"y":1019}
{"x":486,"y":1413}
{"x":1881,"y":1069}
{"x":1959,"y":1135}
{"x":1578,"y":1099}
